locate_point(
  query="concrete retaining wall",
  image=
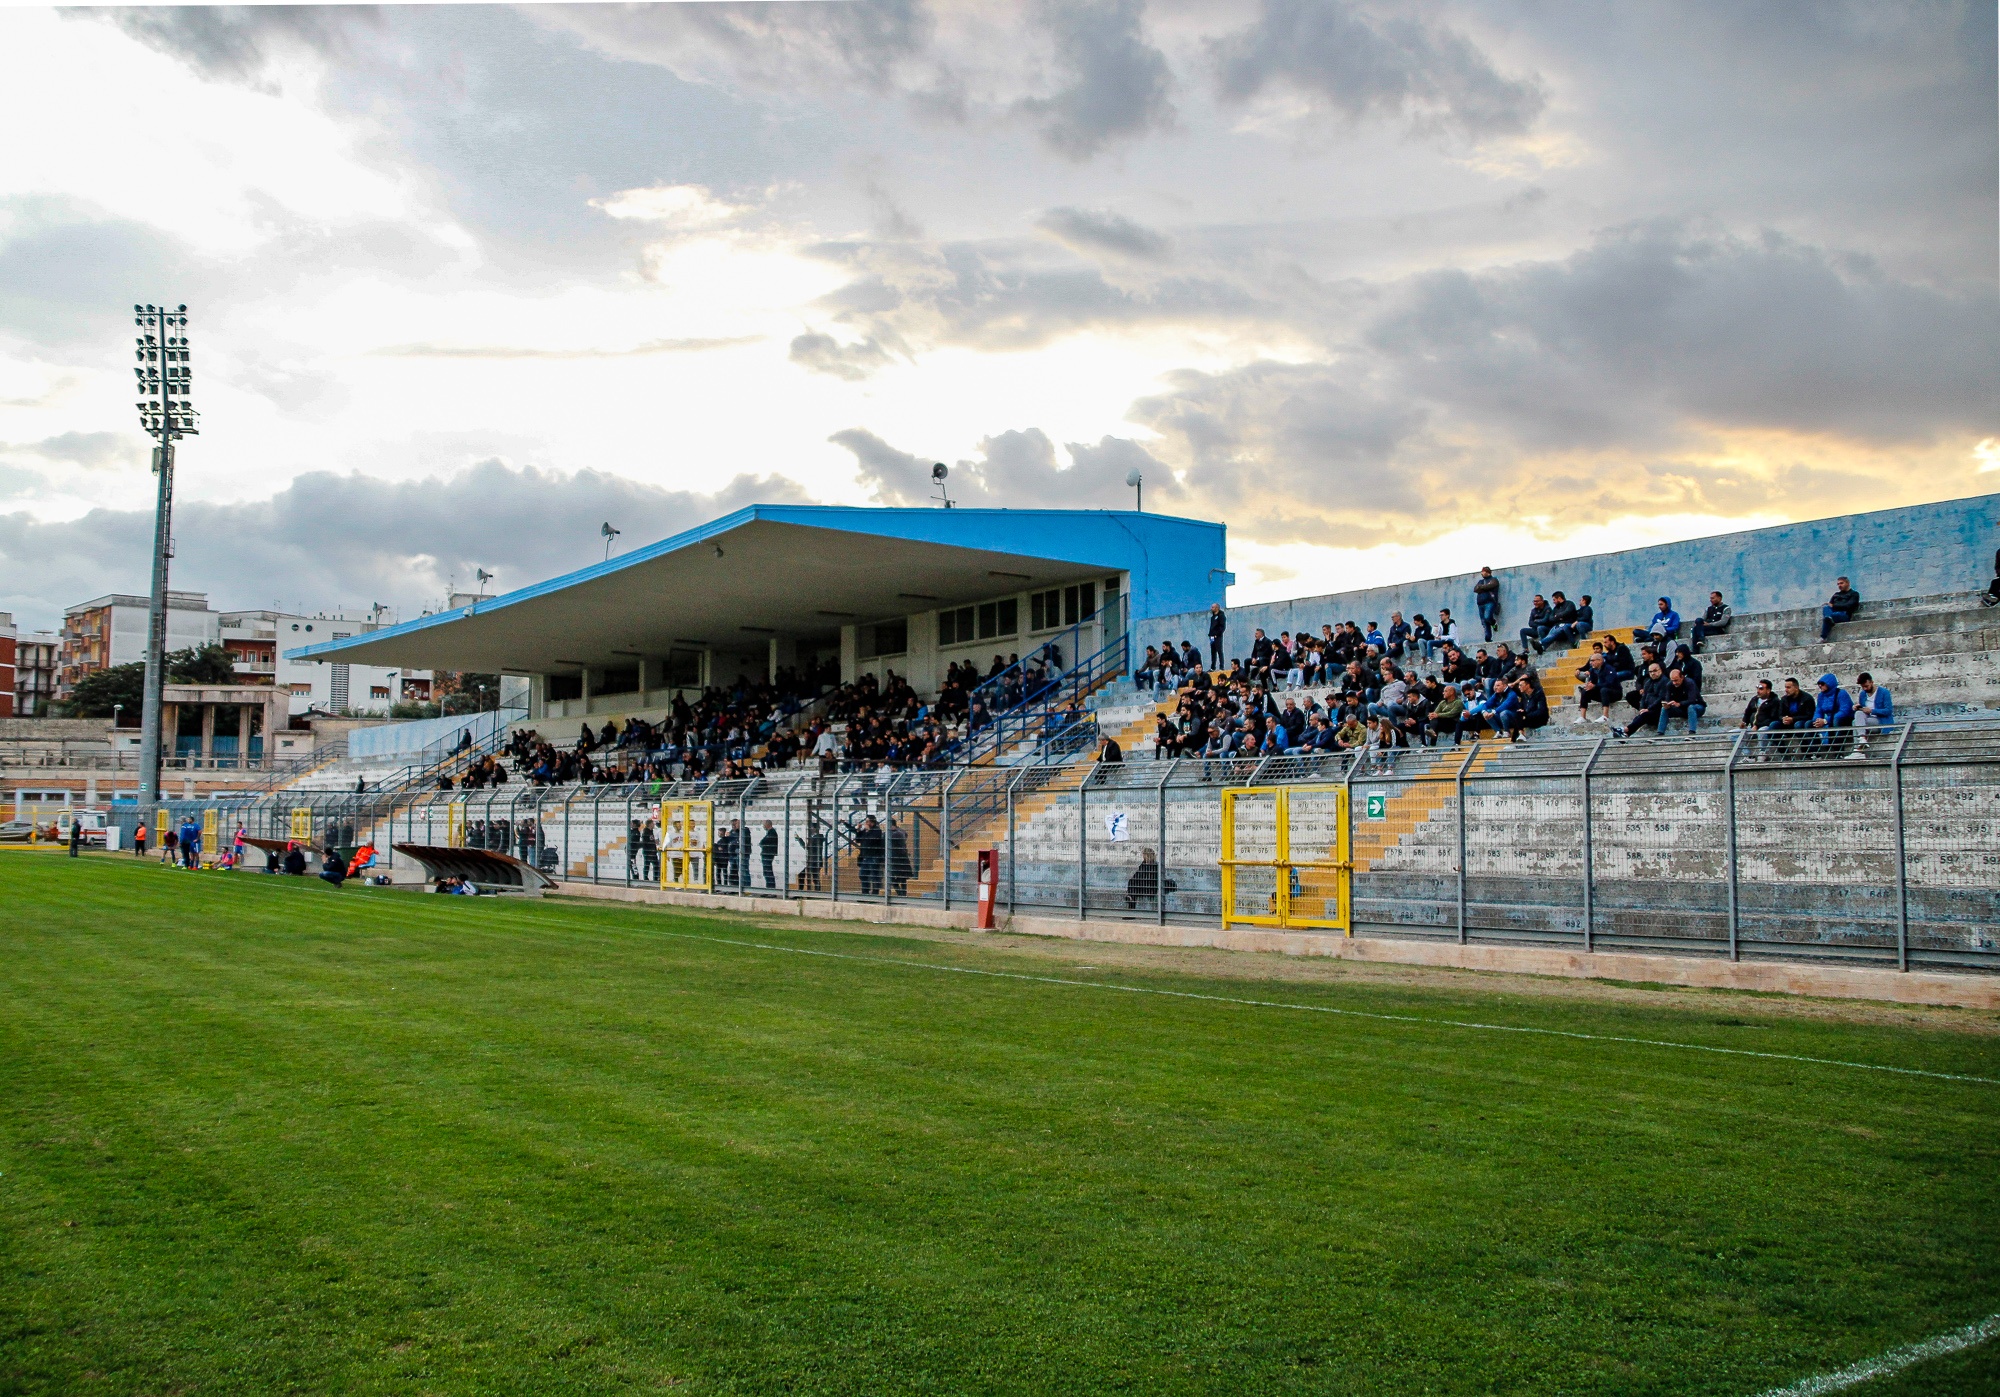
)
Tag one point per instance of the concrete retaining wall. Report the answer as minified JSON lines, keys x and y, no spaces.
{"x":1825,"y":981}
{"x":1917,"y":551}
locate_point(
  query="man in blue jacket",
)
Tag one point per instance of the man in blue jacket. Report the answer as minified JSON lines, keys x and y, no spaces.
{"x":1833,"y":715}
{"x":1665,"y":626}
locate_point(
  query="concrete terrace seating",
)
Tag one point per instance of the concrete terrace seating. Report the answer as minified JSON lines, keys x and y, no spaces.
{"x":1935,"y":654}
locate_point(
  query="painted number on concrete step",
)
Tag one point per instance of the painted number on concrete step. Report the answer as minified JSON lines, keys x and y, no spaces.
{"x":1378,"y":805}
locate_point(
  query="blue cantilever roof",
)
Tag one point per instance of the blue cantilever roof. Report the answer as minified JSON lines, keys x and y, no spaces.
{"x":781,"y":556}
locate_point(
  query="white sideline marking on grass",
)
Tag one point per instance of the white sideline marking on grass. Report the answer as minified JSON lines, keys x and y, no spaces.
{"x":1328,"y":1009}
{"x":1894,"y":1361}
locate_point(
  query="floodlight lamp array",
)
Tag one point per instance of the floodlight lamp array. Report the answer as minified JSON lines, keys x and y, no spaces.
{"x":164,"y":372}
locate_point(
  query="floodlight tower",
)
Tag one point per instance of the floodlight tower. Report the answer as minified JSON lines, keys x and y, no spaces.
{"x":166,"y":383}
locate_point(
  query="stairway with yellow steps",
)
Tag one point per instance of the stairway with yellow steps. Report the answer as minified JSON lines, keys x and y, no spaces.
{"x":986,"y":832}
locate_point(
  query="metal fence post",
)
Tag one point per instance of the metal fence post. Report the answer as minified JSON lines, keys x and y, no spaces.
{"x":1160,"y":887}
{"x":1729,"y":799}
{"x":1458,"y":780}
{"x":1589,"y":863}
{"x":790,"y":787}
{"x":1083,"y":845}
{"x":1013,"y":779}
{"x":944,"y":839}
{"x":1902,"y":863}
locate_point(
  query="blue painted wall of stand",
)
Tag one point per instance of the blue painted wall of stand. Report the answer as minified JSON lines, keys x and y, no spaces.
{"x":1917,"y":551}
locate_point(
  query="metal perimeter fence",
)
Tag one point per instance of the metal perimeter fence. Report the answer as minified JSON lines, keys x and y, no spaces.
{"x":1800,"y":846}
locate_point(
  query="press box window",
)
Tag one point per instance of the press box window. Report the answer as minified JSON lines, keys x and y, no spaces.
{"x":884,"y":638}
{"x":959,"y":626}
{"x":1062,"y":606}
{"x":684,"y":669}
{"x":564,"y":686}
{"x":620,"y":681}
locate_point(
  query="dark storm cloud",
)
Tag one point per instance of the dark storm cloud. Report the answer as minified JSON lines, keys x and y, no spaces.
{"x":1093,"y":232}
{"x":774,"y":46}
{"x":1356,"y":65}
{"x":69,"y":273}
{"x":1015,"y":469}
{"x":1657,"y":325}
{"x":1114,"y":83}
{"x":1007,"y":296}
{"x":238,"y":43}
{"x":824,"y":354}
{"x":332,"y":537}
{"x":90,"y":450}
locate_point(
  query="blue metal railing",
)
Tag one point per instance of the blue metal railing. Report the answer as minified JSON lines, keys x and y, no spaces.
{"x":1030,"y":720}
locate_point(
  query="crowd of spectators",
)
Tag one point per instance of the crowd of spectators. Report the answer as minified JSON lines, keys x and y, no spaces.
{"x":1413,"y":682}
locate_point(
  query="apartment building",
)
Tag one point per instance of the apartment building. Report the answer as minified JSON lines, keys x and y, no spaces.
{"x":111,"y":630}
{"x":258,"y":639}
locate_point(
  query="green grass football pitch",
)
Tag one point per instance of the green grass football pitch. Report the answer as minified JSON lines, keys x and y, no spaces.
{"x":260,"y":1136}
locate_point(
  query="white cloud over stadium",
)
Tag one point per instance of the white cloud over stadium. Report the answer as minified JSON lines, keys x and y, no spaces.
{"x":1375,"y":285}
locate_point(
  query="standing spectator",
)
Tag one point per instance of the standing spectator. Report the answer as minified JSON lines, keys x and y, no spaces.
{"x":1873,"y":708}
{"x":1714,"y":621}
{"x":139,"y":839}
{"x":767,"y":850}
{"x":901,"y":866}
{"x":1218,"y":622}
{"x":1839,"y":607}
{"x":1486,"y":599}
{"x":869,"y":848}
{"x":649,"y":845}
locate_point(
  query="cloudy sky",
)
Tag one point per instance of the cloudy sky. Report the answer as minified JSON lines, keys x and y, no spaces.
{"x":1391,"y":288}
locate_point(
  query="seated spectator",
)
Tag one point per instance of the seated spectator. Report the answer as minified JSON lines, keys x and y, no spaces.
{"x":1146,"y":882}
{"x":1683,"y":701}
{"x":1166,"y":738}
{"x":1561,"y":630}
{"x":1534,"y":703}
{"x":1507,"y":714}
{"x":1873,"y":708}
{"x":1398,"y":636}
{"x":1760,"y":718}
{"x":1447,"y":716}
{"x":1618,"y":655}
{"x":1833,"y":715}
{"x":1714,"y":621}
{"x":1795,"y":716}
{"x":1374,"y":637}
{"x":1665,"y":625}
{"x":1839,"y":607}
{"x":1599,"y":686}
{"x":1991,"y":596}
{"x":1538,"y":622}
{"x":1649,"y":698}
{"x":1422,"y":637}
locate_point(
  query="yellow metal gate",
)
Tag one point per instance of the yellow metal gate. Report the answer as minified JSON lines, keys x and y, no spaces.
{"x":1286,"y":860}
{"x":687,"y":834}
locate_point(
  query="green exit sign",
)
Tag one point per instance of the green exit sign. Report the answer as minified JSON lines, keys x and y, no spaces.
{"x":1378,"y":805}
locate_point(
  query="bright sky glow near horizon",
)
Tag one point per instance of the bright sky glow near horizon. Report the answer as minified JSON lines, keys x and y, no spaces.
{"x":1393,"y":290}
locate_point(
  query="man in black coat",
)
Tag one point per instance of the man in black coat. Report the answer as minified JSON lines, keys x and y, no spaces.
{"x":767,"y":850}
{"x":869,"y":848}
{"x":1218,"y":622}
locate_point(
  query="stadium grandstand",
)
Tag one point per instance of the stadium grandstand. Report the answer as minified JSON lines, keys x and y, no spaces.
{"x":1781,"y":743}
